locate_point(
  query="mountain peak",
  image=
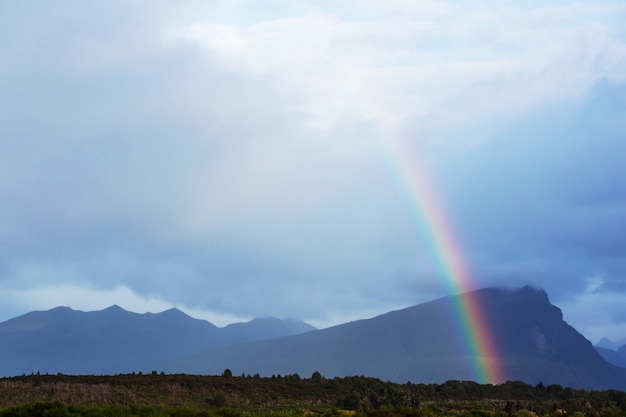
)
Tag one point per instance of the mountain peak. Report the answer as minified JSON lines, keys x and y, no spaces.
{"x":174,"y":310}
{"x":61,"y":308}
{"x":524,"y":297}
{"x":174,"y":313}
{"x":609,"y":344}
{"x":534,"y":292}
{"x":527,"y":291}
{"x":114,"y":308}
{"x":113,"y":312}
{"x":59,"y":311}
{"x":424,"y":343}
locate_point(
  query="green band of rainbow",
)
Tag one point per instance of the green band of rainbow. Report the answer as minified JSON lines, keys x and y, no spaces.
{"x":479,"y":344}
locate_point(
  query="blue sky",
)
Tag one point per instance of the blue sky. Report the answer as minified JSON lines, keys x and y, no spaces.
{"x":227,"y":158}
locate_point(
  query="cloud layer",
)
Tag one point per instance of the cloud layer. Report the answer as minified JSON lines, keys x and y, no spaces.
{"x":230,"y":158}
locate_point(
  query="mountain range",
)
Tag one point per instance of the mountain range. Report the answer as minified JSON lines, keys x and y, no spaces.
{"x":613,"y":352}
{"x":609,"y":344}
{"x":614,"y":356}
{"x":114,"y":340}
{"x":418,"y":344}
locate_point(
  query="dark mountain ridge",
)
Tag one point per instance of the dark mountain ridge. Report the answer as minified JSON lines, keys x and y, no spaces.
{"x":421,"y":344}
{"x":114,"y":340}
{"x":418,"y":344}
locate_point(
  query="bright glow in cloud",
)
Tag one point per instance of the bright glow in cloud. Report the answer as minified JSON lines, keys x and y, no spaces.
{"x":513,"y":57}
{"x":224,"y":156}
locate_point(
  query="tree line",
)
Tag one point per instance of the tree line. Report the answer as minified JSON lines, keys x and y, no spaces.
{"x":160,"y":394}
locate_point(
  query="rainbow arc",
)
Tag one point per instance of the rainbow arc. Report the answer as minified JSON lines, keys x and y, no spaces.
{"x":478,"y":342}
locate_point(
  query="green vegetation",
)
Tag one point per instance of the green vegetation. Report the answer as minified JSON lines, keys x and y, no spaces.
{"x":160,"y":395}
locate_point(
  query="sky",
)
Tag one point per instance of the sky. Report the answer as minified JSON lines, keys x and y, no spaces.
{"x":247,"y":158}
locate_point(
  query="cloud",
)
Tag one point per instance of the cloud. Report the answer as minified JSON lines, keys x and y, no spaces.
{"x":607,"y":317}
{"x":541,"y":202}
{"x":230,"y":158}
{"x":16,"y":302}
{"x":457,"y":64}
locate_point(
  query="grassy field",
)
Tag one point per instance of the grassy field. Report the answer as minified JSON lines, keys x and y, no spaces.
{"x":160,"y":395}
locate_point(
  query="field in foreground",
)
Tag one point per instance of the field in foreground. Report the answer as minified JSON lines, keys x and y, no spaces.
{"x":160,"y":395}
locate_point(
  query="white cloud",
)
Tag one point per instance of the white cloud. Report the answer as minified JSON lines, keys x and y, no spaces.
{"x":593,"y":312}
{"x":21,"y":301}
{"x":458,"y":64}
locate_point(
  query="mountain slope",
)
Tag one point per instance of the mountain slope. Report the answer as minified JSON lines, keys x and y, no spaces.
{"x":264,"y":328}
{"x":421,"y":344}
{"x":114,"y":340}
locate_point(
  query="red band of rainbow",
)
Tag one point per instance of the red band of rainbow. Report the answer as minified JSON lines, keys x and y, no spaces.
{"x":479,"y":344}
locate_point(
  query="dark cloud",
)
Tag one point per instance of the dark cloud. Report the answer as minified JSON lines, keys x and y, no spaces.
{"x":542,"y":202}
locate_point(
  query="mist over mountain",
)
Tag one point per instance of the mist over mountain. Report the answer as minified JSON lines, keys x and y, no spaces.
{"x":420,"y":344}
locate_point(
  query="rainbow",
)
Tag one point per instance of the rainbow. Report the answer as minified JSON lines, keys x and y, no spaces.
{"x":478,"y":343}
{"x":476,"y":338}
